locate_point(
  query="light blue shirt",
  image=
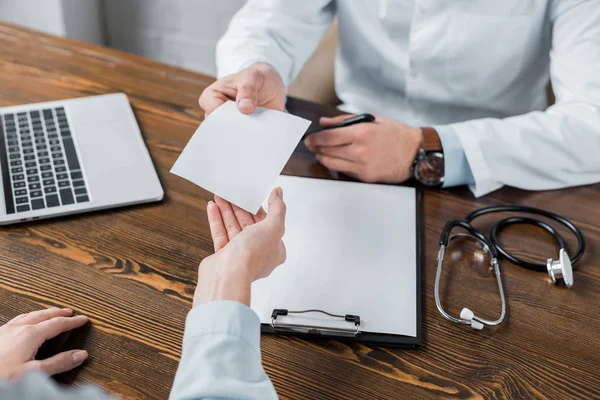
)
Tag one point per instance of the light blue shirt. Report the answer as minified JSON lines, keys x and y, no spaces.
{"x":220,"y":360}
{"x":221,"y":355}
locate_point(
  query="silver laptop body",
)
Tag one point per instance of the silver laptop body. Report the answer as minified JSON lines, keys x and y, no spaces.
{"x":70,"y":156}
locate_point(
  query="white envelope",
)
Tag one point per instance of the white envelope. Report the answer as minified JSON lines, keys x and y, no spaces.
{"x":239,"y":157}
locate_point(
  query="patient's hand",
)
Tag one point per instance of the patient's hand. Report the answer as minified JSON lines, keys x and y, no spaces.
{"x":247,"y":248}
{"x":21,"y":338}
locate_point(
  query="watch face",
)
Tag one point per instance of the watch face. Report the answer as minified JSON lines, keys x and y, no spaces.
{"x":430,"y":169}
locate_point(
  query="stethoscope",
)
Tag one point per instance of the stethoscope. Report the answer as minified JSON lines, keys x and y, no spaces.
{"x":560,"y":269}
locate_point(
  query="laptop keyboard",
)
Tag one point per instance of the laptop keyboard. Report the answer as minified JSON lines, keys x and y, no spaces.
{"x":40,"y":166}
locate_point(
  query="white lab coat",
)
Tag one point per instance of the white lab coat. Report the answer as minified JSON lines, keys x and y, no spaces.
{"x":478,"y":68}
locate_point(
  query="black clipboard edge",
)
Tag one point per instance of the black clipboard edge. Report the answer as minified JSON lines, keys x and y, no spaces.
{"x":381,"y":339}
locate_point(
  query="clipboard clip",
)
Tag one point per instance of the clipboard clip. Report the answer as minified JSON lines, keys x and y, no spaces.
{"x":315,"y":329}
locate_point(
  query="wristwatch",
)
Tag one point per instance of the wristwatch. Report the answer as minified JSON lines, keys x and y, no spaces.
{"x":428,"y":167}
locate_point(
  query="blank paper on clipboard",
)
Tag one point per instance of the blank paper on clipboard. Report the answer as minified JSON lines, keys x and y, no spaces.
{"x":351,"y":249}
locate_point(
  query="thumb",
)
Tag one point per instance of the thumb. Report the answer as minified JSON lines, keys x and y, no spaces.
{"x":58,"y":363}
{"x":277,"y":210}
{"x":327,"y":121}
{"x":247,"y":90}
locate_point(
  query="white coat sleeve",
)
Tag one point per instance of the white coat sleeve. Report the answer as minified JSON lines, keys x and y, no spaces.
{"x":282,"y":33}
{"x":559,"y":147}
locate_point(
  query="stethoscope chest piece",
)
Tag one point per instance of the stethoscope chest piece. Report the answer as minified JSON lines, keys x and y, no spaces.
{"x":561,"y":268}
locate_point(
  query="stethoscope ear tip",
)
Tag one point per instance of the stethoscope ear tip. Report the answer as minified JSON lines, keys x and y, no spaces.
{"x":469,"y":315}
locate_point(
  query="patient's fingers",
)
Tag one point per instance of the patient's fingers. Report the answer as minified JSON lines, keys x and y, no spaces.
{"x":260,"y":215}
{"x":217,"y":228}
{"x":229,"y":219}
{"x":244,"y":218}
{"x":41,"y":315}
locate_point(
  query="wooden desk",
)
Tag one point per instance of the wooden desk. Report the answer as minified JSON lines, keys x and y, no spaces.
{"x":133,"y":270}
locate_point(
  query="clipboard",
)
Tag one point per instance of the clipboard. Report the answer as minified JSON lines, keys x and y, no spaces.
{"x":317,"y":319}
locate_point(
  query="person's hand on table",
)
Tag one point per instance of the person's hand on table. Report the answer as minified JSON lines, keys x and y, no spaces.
{"x":256,"y":86}
{"x":21,"y":338}
{"x":247,"y":247}
{"x":381,"y":151}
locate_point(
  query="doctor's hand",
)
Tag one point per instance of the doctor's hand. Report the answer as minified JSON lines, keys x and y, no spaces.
{"x":381,"y":151}
{"x":256,"y":86}
{"x":247,"y":248}
{"x":21,"y":338}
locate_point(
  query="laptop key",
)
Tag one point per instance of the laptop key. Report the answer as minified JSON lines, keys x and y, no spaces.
{"x":16,"y":170}
{"x":79,"y":191}
{"x":46,"y":174}
{"x":37,"y":204}
{"x":33,"y":178}
{"x":21,"y":192}
{"x":18,"y":177}
{"x":76,"y":175}
{"x":59,"y":162}
{"x":44,"y":160}
{"x":52,"y":200}
{"x":62,"y":184}
{"x":30,"y":164}
{"x":51,"y":189}
{"x":16,"y":162}
{"x":66,"y":196}
{"x":82,"y":199}
{"x":45,"y":167}
{"x":34,"y":186}
{"x":48,"y":182}
{"x":32,"y":171}
{"x":43,"y":154}
{"x":36,"y":193}
{"x":61,"y":169}
{"x":28,"y":157}
{"x":71,"y":154}
{"x":78,"y":183}
{"x":17,"y":185}
{"x":23,"y":208}
{"x":22,"y":200}
{"x":62,"y":176}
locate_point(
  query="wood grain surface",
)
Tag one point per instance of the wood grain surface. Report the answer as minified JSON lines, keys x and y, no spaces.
{"x":133,"y":270}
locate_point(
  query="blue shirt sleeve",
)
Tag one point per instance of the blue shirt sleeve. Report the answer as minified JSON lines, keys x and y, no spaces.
{"x":221,"y":355}
{"x":456,"y":167}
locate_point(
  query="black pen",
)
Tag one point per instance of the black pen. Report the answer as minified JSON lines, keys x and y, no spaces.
{"x":356,"y":119}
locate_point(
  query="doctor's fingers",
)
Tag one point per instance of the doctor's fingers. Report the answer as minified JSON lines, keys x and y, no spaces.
{"x":333,"y":137}
{"x":248,"y":82}
{"x":215,"y":95}
{"x":217,"y":227}
{"x":229,"y":220}
{"x":350,"y":152}
{"x":340,"y":165}
{"x":327,"y":121}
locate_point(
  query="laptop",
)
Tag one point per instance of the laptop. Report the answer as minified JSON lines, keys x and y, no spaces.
{"x":72,"y":156}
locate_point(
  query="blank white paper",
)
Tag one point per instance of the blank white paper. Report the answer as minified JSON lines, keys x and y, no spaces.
{"x":351,"y":249}
{"x":238,"y":156}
